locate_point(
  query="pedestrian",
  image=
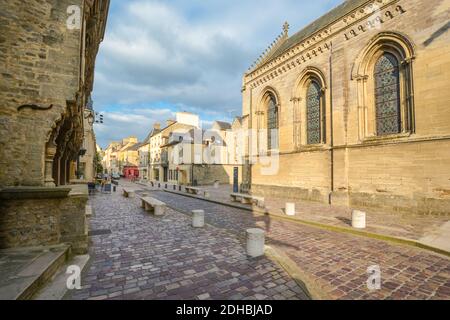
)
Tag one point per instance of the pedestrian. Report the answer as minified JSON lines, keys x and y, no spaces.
{"x":104,"y":181}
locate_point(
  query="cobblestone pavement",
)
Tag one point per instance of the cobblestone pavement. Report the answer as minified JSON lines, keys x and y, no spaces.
{"x":148,"y":257}
{"x":337,"y":261}
{"x":395,"y":224}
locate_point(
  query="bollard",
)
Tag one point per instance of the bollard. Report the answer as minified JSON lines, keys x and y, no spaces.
{"x":159,"y":185}
{"x":255,"y":242}
{"x":206,"y":194}
{"x":179,"y":188}
{"x":198,"y":218}
{"x":358,"y":219}
{"x":165,"y":187}
{"x":174,"y":187}
{"x":290,"y":208}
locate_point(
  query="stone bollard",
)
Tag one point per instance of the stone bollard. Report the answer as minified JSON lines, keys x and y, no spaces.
{"x":255,"y":242}
{"x":206,"y":194}
{"x":174,"y":188}
{"x":159,"y":185}
{"x":290,"y":208}
{"x":198,"y":218}
{"x":358,"y":219}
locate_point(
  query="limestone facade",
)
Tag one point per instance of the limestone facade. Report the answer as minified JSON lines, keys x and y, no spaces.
{"x":320,"y":90}
{"x":144,"y":154}
{"x":86,"y":170}
{"x":110,"y":160}
{"x":47,"y":58}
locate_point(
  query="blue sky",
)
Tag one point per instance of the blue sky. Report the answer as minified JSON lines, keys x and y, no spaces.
{"x":159,"y":57}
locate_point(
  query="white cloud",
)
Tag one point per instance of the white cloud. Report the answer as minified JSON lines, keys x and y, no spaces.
{"x":187,"y":54}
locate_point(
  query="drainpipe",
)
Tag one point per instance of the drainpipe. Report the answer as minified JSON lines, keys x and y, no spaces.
{"x":250,"y":144}
{"x":331,"y":127}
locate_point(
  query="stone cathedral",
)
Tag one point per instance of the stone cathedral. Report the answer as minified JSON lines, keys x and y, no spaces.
{"x":358,"y":107}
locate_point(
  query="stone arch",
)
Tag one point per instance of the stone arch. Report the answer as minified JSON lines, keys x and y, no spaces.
{"x":308,"y":76}
{"x":265,"y":137}
{"x":400,"y":47}
{"x":51,"y":150}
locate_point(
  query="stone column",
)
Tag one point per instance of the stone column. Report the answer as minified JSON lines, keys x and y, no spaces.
{"x":50,"y":153}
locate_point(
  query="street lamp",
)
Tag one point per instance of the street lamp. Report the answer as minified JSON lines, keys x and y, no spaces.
{"x":100,"y":118}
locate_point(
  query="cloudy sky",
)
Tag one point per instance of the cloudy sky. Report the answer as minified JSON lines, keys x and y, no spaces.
{"x":163,"y":56}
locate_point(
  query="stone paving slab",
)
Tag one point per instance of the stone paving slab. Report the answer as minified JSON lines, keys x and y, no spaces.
{"x":148,"y":257}
{"x":24,"y":270}
{"x":338,"y":262}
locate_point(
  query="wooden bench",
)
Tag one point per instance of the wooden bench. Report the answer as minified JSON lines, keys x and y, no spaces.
{"x":128,"y":193}
{"x":193,"y":190}
{"x":247,"y":198}
{"x":153,"y":205}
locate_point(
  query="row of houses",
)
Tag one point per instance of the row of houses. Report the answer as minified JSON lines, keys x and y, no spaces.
{"x":182,"y":153}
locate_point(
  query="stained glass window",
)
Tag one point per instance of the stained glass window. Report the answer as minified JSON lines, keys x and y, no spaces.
{"x":272,"y":123}
{"x":313,"y":113}
{"x":387,"y":94}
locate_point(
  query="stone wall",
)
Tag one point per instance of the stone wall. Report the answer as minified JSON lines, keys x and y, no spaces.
{"x":409,"y":172}
{"x":208,"y":174}
{"x":44,"y":219}
{"x":46,"y":77}
{"x":40,"y":61}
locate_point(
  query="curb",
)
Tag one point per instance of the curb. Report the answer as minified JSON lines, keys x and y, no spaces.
{"x":312,"y":288}
{"x":372,"y":235}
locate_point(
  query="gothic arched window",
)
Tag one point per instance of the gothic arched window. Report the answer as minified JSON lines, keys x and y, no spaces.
{"x":272,"y":123}
{"x":313,"y":113}
{"x":387,"y":95}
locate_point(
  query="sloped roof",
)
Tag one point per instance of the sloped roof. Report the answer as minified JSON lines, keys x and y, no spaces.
{"x":147,"y":139}
{"x":135,"y":147}
{"x":223,"y":125}
{"x":321,"y":23}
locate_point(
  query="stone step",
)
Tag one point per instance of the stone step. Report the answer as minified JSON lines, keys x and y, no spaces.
{"x":56,"y":288}
{"x":26,"y":270}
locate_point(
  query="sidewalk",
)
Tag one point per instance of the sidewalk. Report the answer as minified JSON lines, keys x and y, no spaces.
{"x":433,"y":231}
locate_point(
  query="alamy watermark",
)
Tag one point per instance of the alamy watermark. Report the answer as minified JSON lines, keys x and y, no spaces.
{"x":374,"y":280}
{"x":73,"y":21}
{"x":74,"y":280}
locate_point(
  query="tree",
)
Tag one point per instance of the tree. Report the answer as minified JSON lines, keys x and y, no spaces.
{"x":98,"y":163}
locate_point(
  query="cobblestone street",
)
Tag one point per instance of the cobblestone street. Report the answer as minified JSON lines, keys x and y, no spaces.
{"x":337,"y":262}
{"x":148,"y":257}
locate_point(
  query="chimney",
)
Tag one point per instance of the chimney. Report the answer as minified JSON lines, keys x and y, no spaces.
{"x":157,"y":126}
